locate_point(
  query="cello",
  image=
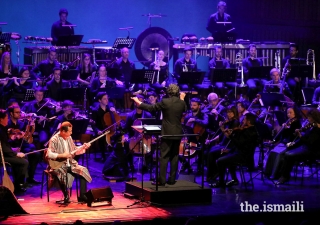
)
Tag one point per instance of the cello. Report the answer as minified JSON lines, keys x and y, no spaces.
{"x":111,"y":119}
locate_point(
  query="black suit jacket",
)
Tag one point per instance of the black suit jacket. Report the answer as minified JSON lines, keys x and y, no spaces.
{"x":172,"y":110}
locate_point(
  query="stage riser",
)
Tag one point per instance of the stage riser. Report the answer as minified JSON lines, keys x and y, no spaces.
{"x":175,"y":196}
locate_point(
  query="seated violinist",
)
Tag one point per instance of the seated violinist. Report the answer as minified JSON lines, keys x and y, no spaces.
{"x":67,"y":115}
{"x":245,"y":142}
{"x":284,"y":136}
{"x":195,"y":122}
{"x":20,"y":134}
{"x":223,"y":141}
{"x":42,"y":108}
{"x":99,"y":124}
{"x":242,"y":107}
{"x":16,"y":159}
{"x":306,"y":147}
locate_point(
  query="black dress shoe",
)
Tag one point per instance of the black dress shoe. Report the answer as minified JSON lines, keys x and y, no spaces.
{"x":82,"y":199}
{"x":159,"y":184}
{"x":66,"y":200}
{"x":217,"y":185}
{"x":171,"y":183}
{"x":33,"y":181}
{"x":19,"y":190}
{"x":282,"y":180}
{"x":232,"y":183}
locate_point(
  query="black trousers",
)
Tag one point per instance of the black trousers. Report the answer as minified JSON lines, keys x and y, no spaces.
{"x":213,"y":155}
{"x":33,"y":158}
{"x":229,"y":161}
{"x":83,"y":184}
{"x":169,"y":152}
{"x":19,"y":168}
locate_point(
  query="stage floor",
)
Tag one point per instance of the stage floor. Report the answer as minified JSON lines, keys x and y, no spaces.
{"x":224,"y":208}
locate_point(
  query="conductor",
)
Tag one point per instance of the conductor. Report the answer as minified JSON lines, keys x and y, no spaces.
{"x":172,"y":109}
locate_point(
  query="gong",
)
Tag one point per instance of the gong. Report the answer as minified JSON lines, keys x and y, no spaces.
{"x":153,"y":37}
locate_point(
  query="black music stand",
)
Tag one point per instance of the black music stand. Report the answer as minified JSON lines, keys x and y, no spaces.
{"x":29,"y":95}
{"x":70,"y":75}
{"x":5,"y":37}
{"x":225,"y":37}
{"x":74,"y":94}
{"x":260,"y":72}
{"x":78,"y":127}
{"x":116,"y":92}
{"x":272,"y":99}
{"x":142,"y":76}
{"x":223,"y":75}
{"x":191,"y":78}
{"x":303,"y":71}
{"x":124,"y":42}
{"x":69,"y":40}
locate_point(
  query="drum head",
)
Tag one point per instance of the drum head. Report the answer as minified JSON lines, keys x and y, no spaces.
{"x":153,"y":37}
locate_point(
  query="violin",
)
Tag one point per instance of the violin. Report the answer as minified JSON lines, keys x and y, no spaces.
{"x":28,"y":133}
{"x":15,"y":134}
{"x":304,"y":128}
{"x":288,"y":123}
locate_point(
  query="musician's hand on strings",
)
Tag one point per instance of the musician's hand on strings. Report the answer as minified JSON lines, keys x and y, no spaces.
{"x":112,"y":109}
{"x":99,"y":132}
{"x":86,"y":145}
{"x":41,"y":118}
{"x":118,"y":82}
{"x":163,"y":84}
{"x":16,"y":149}
{"x":297,"y":132}
{"x":191,"y":120}
{"x":65,"y":155}
{"x":182,"y":95}
{"x":214,"y":111}
{"x":224,"y":150}
{"x":20,"y":154}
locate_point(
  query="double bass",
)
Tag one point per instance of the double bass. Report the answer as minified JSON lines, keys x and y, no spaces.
{"x":111,"y":119}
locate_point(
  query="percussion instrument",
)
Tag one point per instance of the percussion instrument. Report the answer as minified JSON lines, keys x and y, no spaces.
{"x":4,"y":48}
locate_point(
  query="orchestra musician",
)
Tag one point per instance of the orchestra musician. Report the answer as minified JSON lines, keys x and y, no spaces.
{"x":125,"y":67}
{"x":21,"y":141}
{"x":285,"y":135}
{"x":22,"y":84}
{"x":41,"y":107}
{"x":185,"y":64}
{"x":215,"y":111}
{"x":7,"y":70}
{"x":316,"y":97}
{"x":306,"y":147}
{"x":98,"y":117}
{"x":16,"y":159}
{"x":275,"y":85}
{"x":247,"y":63}
{"x":57,"y":28}
{"x":86,"y":70}
{"x":153,"y":99}
{"x":286,"y":64}
{"x":231,"y":122}
{"x":102,"y":81}
{"x":67,"y":114}
{"x":44,"y":69}
{"x":134,"y":115}
{"x":219,"y":16}
{"x":242,"y":107}
{"x":245,"y":142}
{"x":61,"y":146}
{"x":163,"y":68}
{"x":195,"y":122}
{"x":55,"y":85}
{"x":172,"y":110}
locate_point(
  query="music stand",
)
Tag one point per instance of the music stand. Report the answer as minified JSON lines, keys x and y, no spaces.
{"x":223,"y":75}
{"x":191,"y":78}
{"x":303,"y":71}
{"x":116,"y":92}
{"x":69,"y":75}
{"x":69,"y":40}
{"x":124,"y":42}
{"x":142,"y":76}
{"x":29,"y":95}
{"x":225,"y":37}
{"x":74,"y":94}
{"x":260,"y":72}
{"x":5,"y":37}
{"x":78,"y":127}
{"x":272,"y":99}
